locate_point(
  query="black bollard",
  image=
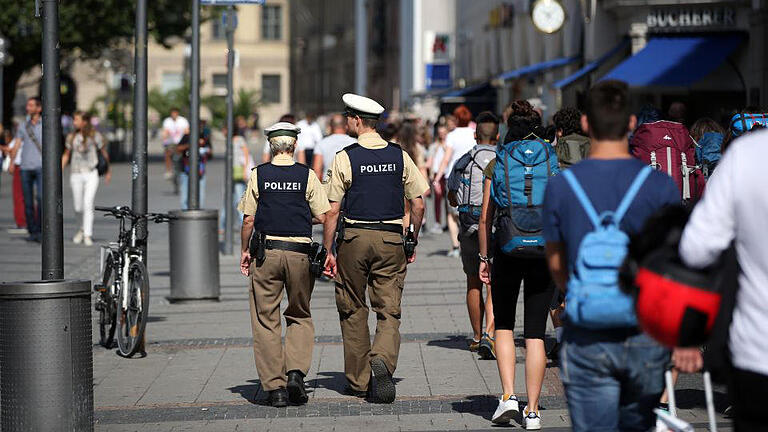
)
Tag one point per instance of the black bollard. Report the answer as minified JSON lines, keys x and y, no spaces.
{"x":46,"y":356}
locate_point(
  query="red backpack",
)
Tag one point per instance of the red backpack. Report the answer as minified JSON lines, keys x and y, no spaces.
{"x":668,"y":147}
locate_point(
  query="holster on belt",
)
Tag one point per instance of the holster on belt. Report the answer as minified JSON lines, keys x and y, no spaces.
{"x":340,"y":228}
{"x":258,"y":246}
{"x":317,"y":258}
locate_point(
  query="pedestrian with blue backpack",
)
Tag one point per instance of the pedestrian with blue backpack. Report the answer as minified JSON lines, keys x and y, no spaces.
{"x":612,"y":372}
{"x":512,"y":198}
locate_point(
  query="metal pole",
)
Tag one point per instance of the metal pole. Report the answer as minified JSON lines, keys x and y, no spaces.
{"x":2,"y":95}
{"x":361,"y":48}
{"x":139,"y":201}
{"x":193,"y":197}
{"x":230,"y":132}
{"x":52,"y":218}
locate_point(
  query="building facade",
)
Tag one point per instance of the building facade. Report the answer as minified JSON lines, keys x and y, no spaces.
{"x":323,"y":41}
{"x":262,"y":62}
{"x":714,"y":53}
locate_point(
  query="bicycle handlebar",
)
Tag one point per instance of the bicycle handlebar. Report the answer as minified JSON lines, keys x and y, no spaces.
{"x":125,"y":211}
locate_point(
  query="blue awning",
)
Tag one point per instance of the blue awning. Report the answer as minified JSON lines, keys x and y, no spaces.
{"x":464,"y":91}
{"x":589,"y":68}
{"x":675,"y":61}
{"x":537,"y":68}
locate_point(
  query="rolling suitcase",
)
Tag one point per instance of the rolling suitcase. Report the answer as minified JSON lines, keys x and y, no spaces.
{"x":667,"y":421}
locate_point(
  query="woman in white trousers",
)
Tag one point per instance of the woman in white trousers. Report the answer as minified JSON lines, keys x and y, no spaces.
{"x":81,"y":150}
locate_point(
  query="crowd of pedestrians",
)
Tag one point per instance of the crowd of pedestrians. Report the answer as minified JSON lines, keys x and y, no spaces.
{"x":555,"y":201}
{"x":532,"y":223}
{"x":545,"y":210}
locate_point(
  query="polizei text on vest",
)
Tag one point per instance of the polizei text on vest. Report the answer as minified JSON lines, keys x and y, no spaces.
{"x":378,"y":168}
{"x":282,"y":186}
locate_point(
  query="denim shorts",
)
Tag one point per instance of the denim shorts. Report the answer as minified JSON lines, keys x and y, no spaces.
{"x":613,"y":379}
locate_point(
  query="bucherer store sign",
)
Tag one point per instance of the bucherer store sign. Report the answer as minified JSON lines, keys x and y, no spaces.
{"x":684,"y":19}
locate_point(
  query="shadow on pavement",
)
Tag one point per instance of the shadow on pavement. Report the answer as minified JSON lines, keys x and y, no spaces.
{"x":334,"y":381}
{"x":452,"y":342}
{"x":481,"y":406}
{"x":249,"y":392}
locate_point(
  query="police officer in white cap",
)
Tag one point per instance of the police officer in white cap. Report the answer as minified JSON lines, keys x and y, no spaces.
{"x":282,"y":200}
{"x":374,"y":178}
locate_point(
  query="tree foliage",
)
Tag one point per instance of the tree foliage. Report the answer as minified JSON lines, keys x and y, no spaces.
{"x":87,"y":29}
{"x":245,"y":103}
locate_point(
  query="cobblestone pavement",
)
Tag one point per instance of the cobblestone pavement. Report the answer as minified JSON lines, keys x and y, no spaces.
{"x":199,"y":373}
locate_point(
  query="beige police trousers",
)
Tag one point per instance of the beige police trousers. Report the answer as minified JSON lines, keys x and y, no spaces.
{"x":373,"y":261}
{"x":289,"y":270}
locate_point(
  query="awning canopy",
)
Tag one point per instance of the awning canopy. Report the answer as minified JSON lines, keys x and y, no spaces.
{"x":675,"y":61}
{"x":467,"y":94}
{"x":591,"y":67}
{"x":537,"y":68}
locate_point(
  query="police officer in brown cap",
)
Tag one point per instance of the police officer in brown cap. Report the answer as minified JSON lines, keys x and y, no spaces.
{"x":374,"y":178}
{"x":282,"y":200}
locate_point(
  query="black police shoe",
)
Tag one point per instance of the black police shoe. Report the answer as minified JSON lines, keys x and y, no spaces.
{"x":382,"y":386}
{"x":278,"y":398}
{"x":349,"y":391}
{"x":297,"y":393}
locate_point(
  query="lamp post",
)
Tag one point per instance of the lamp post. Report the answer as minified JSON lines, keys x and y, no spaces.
{"x":231,"y":19}
{"x":193,"y":196}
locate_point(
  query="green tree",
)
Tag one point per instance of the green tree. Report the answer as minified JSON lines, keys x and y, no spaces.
{"x":87,"y":28}
{"x":245,"y":102}
{"x":163,"y":102}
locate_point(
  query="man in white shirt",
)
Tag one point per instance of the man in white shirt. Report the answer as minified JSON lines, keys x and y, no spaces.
{"x":458,"y":142}
{"x":734,"y":209}
{"x":327,"y":148}
{"x":174,"y":128}
{"x":310,"y":135}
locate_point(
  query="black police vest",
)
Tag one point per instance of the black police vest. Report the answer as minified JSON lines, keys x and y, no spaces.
{"x":377,"y":191}
{"x":283,"y":209}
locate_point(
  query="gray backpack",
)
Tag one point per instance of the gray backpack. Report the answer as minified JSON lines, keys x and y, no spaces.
{"x":571,"y":149}
{"x":469,"y":192}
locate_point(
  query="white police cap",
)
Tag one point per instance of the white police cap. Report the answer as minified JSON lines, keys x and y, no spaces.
{"x":362,"y":106}
{"x":282,"y":129}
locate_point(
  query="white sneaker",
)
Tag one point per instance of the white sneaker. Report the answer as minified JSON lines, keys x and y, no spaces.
{"x":88,"y":241}
{"x":506,"y":410}
{"x":436,"y":230}
{"x":78,"y":238}
{"x":531,"y":420}
{"x":168,"y":175}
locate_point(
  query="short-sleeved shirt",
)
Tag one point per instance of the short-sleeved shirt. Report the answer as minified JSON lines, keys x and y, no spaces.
{"x":310,"y":135}
{"x":414,"y":183}
{"x":328,"y":147}
{"x":605,"y":183}
{"x":31,"y":158}
{"x":461,"y":140}
{"x":316,"y":197}
{"x":176,"y":129}
{"x":82,"y":152}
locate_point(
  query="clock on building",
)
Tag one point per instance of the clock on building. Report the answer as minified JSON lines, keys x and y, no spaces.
{"x":548,"y":15}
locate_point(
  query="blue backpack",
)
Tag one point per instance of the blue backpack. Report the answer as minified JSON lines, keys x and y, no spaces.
{"x":708,"y":151}
{"x":594,"y":299}
{"x":519,"y":178}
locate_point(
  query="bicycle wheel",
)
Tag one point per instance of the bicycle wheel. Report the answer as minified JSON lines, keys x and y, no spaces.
{"x":106,"y":304}
{"x":133,"y":320}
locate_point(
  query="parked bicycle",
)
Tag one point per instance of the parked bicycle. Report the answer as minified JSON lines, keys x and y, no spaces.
{"x":123,"y":300}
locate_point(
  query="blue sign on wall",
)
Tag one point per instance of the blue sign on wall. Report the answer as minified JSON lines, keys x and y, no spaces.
{"x":438,"y":76}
